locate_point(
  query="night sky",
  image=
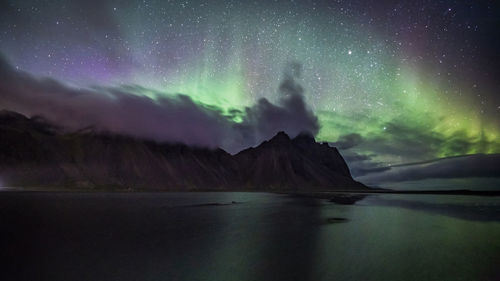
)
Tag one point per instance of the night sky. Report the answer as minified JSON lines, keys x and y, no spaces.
{"x":388,"y":82}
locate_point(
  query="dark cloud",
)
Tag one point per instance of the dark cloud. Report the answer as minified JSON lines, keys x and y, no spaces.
{"x":401,"y":139}
{"x":291,"y":115}
{"x":361,"y":164}
{"x":351,"y":156}
{"x":173,"y":119}
{"x":360,"y":171}
{"x":396,"y":141}
{"x":468,"y":166}
{"x":348,"y":141}
{"x":176,"y":119}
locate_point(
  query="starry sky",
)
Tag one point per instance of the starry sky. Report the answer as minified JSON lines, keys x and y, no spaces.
{"x":391,"y":83}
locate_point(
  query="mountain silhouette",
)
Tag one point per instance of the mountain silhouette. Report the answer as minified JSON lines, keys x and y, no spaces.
{"x":35,"y":153}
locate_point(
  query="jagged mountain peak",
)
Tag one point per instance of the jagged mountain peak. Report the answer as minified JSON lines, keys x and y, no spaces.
{"x":281,"y":136}
{"x":31,"y":155}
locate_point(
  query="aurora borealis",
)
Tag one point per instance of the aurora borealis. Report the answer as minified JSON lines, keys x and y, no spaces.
{"x":391,"y":82}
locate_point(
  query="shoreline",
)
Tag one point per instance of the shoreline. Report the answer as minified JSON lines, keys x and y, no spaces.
{"x":424,"y":192}
{"x":317,"y":194}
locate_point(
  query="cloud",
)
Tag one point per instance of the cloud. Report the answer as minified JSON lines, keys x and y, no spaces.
{"x":402,"y":140}
{"x":174,"y":118}
{"x":467,"y":166}
{"x":348,"y":141}
{"x":290,"y":115}
{"x":361,"y":164}
{"x":352,"y":156}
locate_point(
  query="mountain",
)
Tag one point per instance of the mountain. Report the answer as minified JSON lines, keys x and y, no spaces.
{"x":283,"y":163}
{"x":34,"y":152}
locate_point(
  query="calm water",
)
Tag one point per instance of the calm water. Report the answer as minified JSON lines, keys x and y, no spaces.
{"x":185,"y":236}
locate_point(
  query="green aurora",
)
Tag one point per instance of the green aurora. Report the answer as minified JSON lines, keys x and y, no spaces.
{"x":354,"y":82}
{"x":408,"y":80}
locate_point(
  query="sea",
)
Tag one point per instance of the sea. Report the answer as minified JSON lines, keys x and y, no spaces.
{"x":247,"y":236}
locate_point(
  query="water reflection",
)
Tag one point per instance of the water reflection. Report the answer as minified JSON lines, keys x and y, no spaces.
{"x":245,"y":236}
{"x":477,"y":211}
{"x":289,"y":241}
{"x":347,"y":199}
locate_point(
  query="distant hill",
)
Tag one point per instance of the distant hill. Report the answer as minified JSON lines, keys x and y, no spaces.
{"x":37,"y":154}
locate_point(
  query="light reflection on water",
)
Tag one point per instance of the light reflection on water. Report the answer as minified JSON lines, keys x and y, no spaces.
{"x":249,"y":236}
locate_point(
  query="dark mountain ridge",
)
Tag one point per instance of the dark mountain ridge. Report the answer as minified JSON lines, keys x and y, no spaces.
{"x":36,"y":153}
